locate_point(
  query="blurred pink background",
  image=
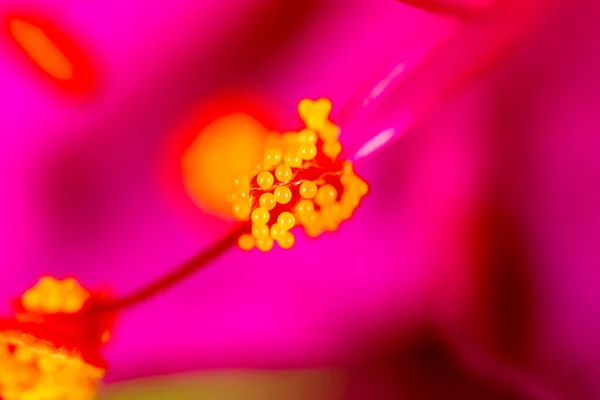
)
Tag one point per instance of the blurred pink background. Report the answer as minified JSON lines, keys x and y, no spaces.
{"x":471,"y":268}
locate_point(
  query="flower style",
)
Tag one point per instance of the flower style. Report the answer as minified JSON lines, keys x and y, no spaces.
{"x":50,"y":349}
{"x":301,"y":181}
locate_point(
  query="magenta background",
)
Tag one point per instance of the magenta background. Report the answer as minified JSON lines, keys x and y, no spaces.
{"x":513,"y":159}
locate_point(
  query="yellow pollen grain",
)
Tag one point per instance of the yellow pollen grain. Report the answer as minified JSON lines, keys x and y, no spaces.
{"x":265,"y":179}
{"x":326,"y":195}
{"x":277,"y":230}
{"x":260,"y":216}
{"x":286,"y":241}
{"x":293,"y":160}
{"x":307,"y":136}
{"x":283,"y":195}
{"x":267,"y":201}
{"x":304,"y":207}
{"x":332,"y":148}
{"x":260,"y":231}
{"x":241,"y":211}
{"x":308,"y":151}
{"x":329,"y":132}
{"x":287,"y":220}
{"x":308,"y":190}
{"x":246,"y":242}
{"x":272,"y":158}
{"x":265,"y":244}
{"x":283,"y":173}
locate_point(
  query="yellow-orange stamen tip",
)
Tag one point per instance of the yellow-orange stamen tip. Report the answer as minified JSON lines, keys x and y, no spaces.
{"x":246,"y":242}
{"x":265,"y":244}
{"x":267,"y":201}
{"x":286,"y":241}
{"x":283,"y":195}
{"x":260,"y":216}
{"x":272,"y":158}
{"x":283,"y":173}
{"x":51,"y":296}
{"x":265,"y":179}
{"x":293,"y":160}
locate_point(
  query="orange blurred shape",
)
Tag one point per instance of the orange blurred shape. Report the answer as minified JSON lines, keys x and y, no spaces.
{"x":41,"y":49}
{"x":229,"y":146}
{"x":52,"y":51}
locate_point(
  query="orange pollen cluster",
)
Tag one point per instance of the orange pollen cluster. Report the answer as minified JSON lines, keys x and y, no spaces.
{"x":300,"y":182}
{"x":39,"y":358}
{"x":34,"y":369}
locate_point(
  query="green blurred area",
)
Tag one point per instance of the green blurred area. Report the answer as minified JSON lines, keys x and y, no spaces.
{"x":231,"y":385}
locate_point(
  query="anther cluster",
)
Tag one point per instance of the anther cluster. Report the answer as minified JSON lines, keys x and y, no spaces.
{"x":300,"y":182}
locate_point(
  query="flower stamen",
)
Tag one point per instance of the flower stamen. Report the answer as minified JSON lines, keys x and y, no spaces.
{"x":300,"y":182}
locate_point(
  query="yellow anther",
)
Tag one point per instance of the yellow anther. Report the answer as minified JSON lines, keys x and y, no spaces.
{"x":265,"y":179}
{"x":311,"y":219}
{"x":346,"y":212}
{"x":231,"y":197}
{"x":314,"y":114}
{"x":347,"y":179}
{"x":313,"y":230}
{"x":286,"y":241}
{"x":45,"y":283}
{"x":241,"y":184}
{"x":241,"y":180}
{"x":332,"y":148}
{"x":330,"y":215}
{"x":286,"y":220}
{"x":330,"y":224}
{"x":241,"y":211}
{"x":350,"y":200}
{"x":260,"y":216}
{"x":304,"y":207}
{"x":70,"y":284}
{"x":246,"y":242}
{"x":283,"y":173}
{"x":260,"y":231}
{"x":322,"y":105}
{"x":267,"y":201}
{"x":308,"y":190}
{"x":272,"y":157}
{"x":307,"y":136}
{"x":241,"y":197}
{"x":363,"y":188}
{"x":277,"y":230}
{"x":355,"y":186}
{"x":52,"y":302}
{"x":72,"y":304}
{"x":326,"y":195}
{"x":293,"y":160}
{"x":265,"y":244}
{"x":329,"y":132}
{"x":305,"y":107}
{"x":31,"y":300}
{"x":308,"y":151}
{"x":283,"y":194}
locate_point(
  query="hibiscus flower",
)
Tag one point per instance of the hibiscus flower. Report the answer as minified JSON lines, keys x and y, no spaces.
{"x":437,"y":242}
